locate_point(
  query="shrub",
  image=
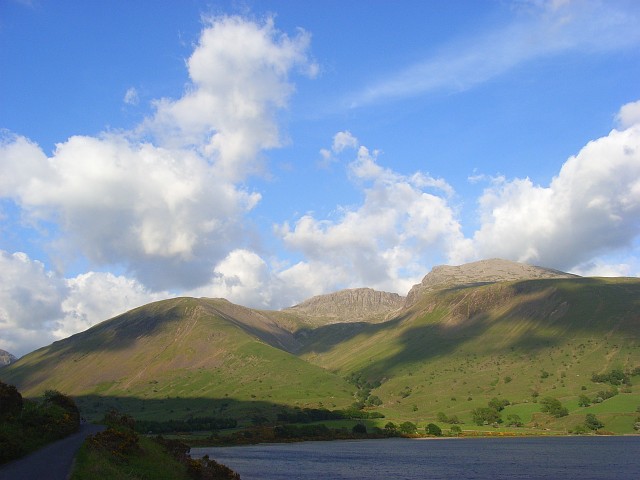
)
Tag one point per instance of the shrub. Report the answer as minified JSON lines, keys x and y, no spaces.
{"x":485,"y":416}
{"x":592,"y":423}
{"x":553,"y":407}
{"x":408,"y":428}
{"x":359,"y":429}
{"x":433,"y":429}
{"x":10,"y":401}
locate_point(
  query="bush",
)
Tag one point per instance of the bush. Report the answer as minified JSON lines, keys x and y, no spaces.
{"x":408,"y":428}
{"x":433,"y":429}
{"x":592,"y":423}
{"x":120,"y":443}
{"x":455,"y":430}
{"x":10,"y":401}
{"x":553,"y":407}
{"x":359,"y":429}
{"x":485,"y":416}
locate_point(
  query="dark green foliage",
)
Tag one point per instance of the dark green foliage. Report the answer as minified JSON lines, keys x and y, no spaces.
{"x":28,"y":425}
{"x":408,"y":428}
{"x":592,"y":423}
{"x":455,"y":430}
{"x":498,"y":404}
{"x":433,"y":429}
{"x":553,"y":407}
{"x":302,"y":431}
{"x":615,"y":377}
{"x":391,"y":429}
{"x":359,"y":429}
{"x":10,"y":401}
{"x":203,"y":469}
{"x":486,"y":416}
{"x":584,"y":401}
{"x":190,"y":425}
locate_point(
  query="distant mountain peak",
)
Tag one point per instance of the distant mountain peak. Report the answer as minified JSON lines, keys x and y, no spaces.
{"x":483,"y":271}
{"x":351,"y":304}
{"x":6,"y":358}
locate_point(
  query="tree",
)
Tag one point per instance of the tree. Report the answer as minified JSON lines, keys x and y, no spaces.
{"x":442,"y":417}
{"x":408,"y":428}
{"x":390,"y":429}
{"x":485,"y":416}
{"x":584,"y":401}
{"x":359,"y":429}
{"x":433,"y":429}
{"x":498,"y":404}
{"x":553,"y":407}
{"x":592,"y":423}
{"x":456,"y":430}
{"x":10,"y":401}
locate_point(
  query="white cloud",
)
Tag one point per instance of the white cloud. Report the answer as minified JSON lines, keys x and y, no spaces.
{"x":131,"y":96}
{"x":37,"y":306}
{"x":343,"y":140}
{"x":29,"y":303}
{"x":239,"y":73}
{"x":591,"y":207}
{"x":117,"y":202}
{"x":629,"y":115}
{"x":97,"y":296}
{"x":384,"y":243}
{"x":168,"y":211}
{"x":542,"y":29}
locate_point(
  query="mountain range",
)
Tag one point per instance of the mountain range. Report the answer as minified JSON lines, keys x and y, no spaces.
{"x":464,"y":335}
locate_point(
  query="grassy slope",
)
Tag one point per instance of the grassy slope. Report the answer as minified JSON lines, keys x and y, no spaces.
{"x":170,"y":352}
{"x":456,"y":350}
{"x":451,"y":352}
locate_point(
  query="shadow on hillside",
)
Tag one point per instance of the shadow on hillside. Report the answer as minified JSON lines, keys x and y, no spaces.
{"x":550,"y":312}
{"x":324,"y":338}
{"x":93,"y":408}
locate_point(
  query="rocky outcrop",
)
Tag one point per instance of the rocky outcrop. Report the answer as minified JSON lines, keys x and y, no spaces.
{"x":484,"y":271}
{"x":6,"y":358}
{"x":351,"y":305}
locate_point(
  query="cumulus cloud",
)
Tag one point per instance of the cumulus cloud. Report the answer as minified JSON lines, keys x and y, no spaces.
{"x":29,"y":302}
{"x":158,"y":211}
{"x":38,"y":306}
{"x":403,"y":222}
{"x":239,"y":73}
{"x":166,"y":201}
{"x":590,"y":208}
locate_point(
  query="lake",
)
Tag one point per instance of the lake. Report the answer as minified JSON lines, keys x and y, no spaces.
{"x":584,"y":458}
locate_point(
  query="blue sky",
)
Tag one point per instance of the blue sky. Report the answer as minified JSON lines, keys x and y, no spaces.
{"x":269,"y":151}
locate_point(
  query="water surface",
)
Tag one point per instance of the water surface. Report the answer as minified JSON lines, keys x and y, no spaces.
{"x":584,"y":458}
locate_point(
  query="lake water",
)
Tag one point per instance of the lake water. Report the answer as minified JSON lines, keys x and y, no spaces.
{"x":583,"y":458}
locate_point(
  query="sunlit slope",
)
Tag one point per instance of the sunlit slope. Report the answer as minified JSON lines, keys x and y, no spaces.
{"x":456,"y":348}
{"x":187,"y":348}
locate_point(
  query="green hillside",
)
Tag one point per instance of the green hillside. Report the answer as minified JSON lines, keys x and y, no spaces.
{"x":457,"y":348}
{"x":451,"y":350}
{"x":178,"y":355}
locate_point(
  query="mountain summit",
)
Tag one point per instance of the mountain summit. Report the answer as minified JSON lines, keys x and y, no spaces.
{"x":476,"y":273}
{"x":6,"y":358}
{"x":351,"y":305}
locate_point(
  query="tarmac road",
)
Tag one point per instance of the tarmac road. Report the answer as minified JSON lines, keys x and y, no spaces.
{"x":51,"y":462}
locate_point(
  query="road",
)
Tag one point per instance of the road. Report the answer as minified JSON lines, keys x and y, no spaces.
{"x":52,"y":462}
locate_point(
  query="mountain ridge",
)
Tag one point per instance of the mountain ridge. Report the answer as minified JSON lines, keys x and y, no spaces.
{"x":465,"y":327}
